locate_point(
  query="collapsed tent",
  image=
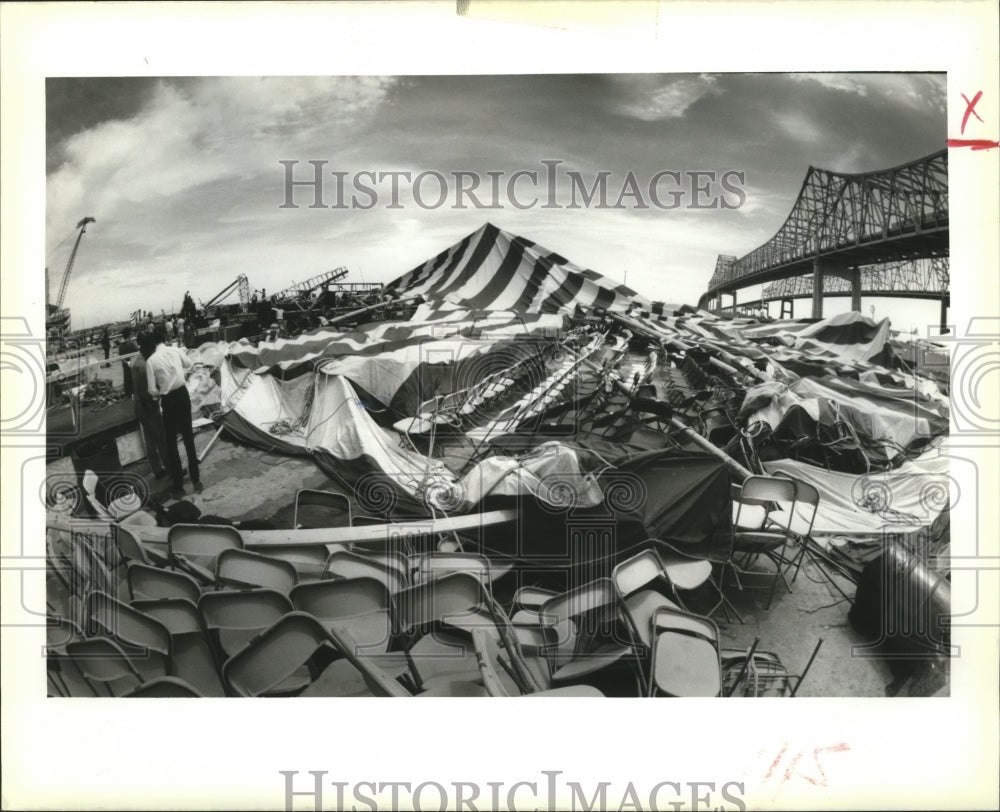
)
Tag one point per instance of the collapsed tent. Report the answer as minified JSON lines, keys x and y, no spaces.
{"x":492,"y":269}
{"x":498,"y":351}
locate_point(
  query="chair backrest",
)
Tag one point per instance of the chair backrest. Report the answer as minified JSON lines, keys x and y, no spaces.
{"x":242,"y":609}
{"x":564,"y":614}
{"x":597,"y":594}
{"x":433,"y":565}
{"x":685,"y":655}
{"x":531,"y":597}
{"x":108,"y":616}
{"x":309,"y":560}
{"x":352,"y":565}
{"x":201,"y":543}
{"x":758,"y":498}
{"x":178,"y":615}
{"x":806,"y":505}
{"x":379,"y":682}
{"x":274,"y":655}
{"x":327,"y":509}
{"x":640,"y":570}
{"x":394,"y":560}
{"x":172,"y":687}
{"x":102,"y":660}
{"x":670,"y":619}
{"x":145,"y":581}
{"x":242,"y":568}
{"x":341,"y":598}
{"x":450,"y":597}
{"x":129,"y":547}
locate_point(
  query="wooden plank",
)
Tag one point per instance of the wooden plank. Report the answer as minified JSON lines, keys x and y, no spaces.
{"x":324,"y":535}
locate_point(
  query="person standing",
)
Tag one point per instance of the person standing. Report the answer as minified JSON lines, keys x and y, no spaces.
{"x":106,"y":345}
{"x":147,"y":410}
{"x":127,"y":347}
{"x":167,"y":368}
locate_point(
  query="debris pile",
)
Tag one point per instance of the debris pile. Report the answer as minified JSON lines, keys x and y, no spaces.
{"x":542,"y":474}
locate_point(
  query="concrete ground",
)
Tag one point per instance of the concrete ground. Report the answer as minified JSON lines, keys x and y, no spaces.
{"x":242,"y":483}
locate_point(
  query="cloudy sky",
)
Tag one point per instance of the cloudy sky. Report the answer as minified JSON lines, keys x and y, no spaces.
{"x":183,"y":176}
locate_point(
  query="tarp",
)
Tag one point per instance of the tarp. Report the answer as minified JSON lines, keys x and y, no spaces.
{"x":680,"y":498}
{"x":320,"y":415}
{"x":914,"y":494}
{"x":885,"y":420}
{"x":492,"y":269}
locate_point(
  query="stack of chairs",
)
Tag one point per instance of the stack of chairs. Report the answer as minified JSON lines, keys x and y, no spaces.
{"x":212,"y":618}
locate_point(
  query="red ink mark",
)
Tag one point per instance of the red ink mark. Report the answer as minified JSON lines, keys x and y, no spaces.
{"x":974,"y":144}
{"x":833,"y":748}
{"x":970,"y":108}
{"x":791,"y":768}
{"x":774,"y":764}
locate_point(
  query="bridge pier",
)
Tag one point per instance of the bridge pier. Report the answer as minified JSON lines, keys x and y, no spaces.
{"x":791,"y":308}
{"x":822,"y":266}
{"x":817,"y":308}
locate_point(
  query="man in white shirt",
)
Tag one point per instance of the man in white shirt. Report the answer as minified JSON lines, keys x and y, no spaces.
{"x":167,"y":372}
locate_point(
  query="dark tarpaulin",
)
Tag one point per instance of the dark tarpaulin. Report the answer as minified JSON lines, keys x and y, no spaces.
{"x":678,"y":497}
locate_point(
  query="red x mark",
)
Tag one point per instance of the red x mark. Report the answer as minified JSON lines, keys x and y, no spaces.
{"x":974,"y":144}
{"x":970,"y":109}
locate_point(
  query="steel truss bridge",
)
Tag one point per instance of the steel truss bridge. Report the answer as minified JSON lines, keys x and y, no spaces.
{"x":851,"y":234}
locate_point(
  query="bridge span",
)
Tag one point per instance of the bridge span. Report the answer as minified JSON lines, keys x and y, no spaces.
{"x":851,"y":234}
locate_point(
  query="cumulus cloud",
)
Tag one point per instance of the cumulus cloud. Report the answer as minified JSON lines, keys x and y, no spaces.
{"x":195,"y":134}
{"x":918,"y":91}
{"x":655,"y":98}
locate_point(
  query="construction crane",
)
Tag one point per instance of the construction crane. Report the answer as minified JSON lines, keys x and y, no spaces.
{"x":239,"y":282}
{"x":82,"y":225}
{"x":299,"y":289}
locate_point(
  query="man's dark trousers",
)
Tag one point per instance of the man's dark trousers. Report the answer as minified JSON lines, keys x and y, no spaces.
{"x":177,"y":420}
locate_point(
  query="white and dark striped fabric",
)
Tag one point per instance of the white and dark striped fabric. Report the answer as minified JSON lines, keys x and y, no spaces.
{"x":494,"y":270}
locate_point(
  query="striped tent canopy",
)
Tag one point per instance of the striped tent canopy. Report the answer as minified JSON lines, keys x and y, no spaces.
{"x":492,"y":269}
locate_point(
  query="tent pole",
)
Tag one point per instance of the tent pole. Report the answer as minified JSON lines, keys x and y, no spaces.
{"x":375,"y":306}
{"x":742,"y":472}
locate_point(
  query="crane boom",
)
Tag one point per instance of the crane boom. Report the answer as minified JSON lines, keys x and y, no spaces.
{"x":82,"y":225}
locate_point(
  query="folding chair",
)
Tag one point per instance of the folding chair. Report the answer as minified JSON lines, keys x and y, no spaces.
{"x":243,"y":569}
{"x":685,"y":660}
{"x":145,"y":641}
{"x":279,"y":660}
{"x":762,"y":508}
{"x":272,"y":660}
{"x":190,"y":653}
{"x":432,"y":565}
{"x":64,"y":678}
{"x":642,"y":586}
{"x":321,"y":509}
{"x":581,"y":631}
{"x":434,"y":618}
{"x":362,"y":604}
{"x":131,"y":549}
{"x":164,"y":687}
{"x":195,"y":547}
{"x":761,"y":673}
{"x":382,"y":682}
{"x":104,"y":665}
{"x":499,"y":679}
{"x":802,"y":519}
{"x":352,"y":565}
{"x":309,"y":560}
{"x":146,"y":582}
{"x":232,"y":617}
